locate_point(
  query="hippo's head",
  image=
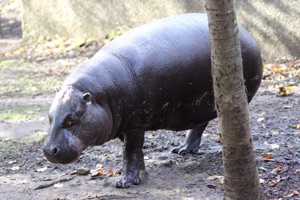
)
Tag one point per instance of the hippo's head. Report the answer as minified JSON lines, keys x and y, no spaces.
{"x":76,"y":121}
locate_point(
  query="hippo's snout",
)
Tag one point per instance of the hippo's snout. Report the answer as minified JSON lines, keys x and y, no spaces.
{"x":61,"y":155}
{"x":64,"y":149}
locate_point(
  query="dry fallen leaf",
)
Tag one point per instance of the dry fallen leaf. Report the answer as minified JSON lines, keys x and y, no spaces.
{"x":210,"y":186}
{"x":295,"y":192}
{"x":110,"y":171}
{"x":275,"y":69}
{"x":274,"y":182}
{"x":267,"y":156}
{"x":289,"y":195}
{"x":98,"y":172}
{"x":272,"y":146}
{"x":94,"y":174}
{"x":276,"y":170}
{"x":12,"y":162}
{"x":73,"y":172}
{"x":214,"y":177}
{"x":262,"y":168}
{"x":282,"y":92}
{"x":222,"y":180}
{"x":218,"y":140}
{"x":295,"y":126}
{"x":262,"y":180}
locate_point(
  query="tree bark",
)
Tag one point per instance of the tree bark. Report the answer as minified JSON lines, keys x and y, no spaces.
{"x":240,"y":173}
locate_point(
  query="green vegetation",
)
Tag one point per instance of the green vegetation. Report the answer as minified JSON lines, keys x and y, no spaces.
{"x":116,"y":33}
{"x":19,"y":114}
{"x":34,"y":80}
{"x":35,"y":137}
{"x":10,"y":147}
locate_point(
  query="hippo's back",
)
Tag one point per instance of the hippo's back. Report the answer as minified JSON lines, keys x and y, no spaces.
{"x":168,"y":63}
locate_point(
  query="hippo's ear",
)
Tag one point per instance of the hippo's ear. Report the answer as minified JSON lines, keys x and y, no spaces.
{"x":87,"y":97}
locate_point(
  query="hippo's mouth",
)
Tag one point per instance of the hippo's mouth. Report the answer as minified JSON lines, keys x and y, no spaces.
{"x":62,"y":156}
{"x":64,"y":152}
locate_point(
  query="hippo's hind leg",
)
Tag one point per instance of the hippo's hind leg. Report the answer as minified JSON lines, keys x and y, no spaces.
{"x":192,"y":141}
{"x":133,"y":158}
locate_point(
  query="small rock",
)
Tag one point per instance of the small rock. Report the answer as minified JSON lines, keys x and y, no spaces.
{"x":168,"y":163}
{"x":165,"y":146}
{"x":163,"y":157}
{"x":83,"y":171}
{"x":175,"y":143}
{"x":287,"y":107}
{"x":261,"y":119}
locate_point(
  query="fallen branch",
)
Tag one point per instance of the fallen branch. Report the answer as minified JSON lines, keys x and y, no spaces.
{"x":53,"y":183}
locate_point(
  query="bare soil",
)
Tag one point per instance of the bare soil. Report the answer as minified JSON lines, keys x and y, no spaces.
{"x":30,"y":73}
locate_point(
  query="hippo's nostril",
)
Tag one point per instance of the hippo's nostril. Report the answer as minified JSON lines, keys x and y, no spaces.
{"x":54,"y":151}
{"x":50,"y":151}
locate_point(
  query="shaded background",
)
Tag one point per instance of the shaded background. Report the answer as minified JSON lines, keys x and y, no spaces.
{"x":275,"y":24}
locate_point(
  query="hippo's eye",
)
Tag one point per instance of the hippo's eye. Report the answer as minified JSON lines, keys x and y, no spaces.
{"x":70,"y":121}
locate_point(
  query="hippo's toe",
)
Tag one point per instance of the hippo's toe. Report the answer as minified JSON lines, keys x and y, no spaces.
{"x":126,"y":182}
{"x":185,"y":149}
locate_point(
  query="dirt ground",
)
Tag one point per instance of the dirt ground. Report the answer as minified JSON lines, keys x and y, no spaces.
{"x":32,"y":72}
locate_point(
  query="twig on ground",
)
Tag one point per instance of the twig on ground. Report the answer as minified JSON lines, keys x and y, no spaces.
{"x":53,"y":183}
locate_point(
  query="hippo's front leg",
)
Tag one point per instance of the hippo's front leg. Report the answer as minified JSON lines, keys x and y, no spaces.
{"x":133,"y":158}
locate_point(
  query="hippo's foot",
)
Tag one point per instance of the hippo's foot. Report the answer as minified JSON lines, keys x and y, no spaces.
{"x":133,"y":158}
{"x":192,"y":141}
{"x":187,"y":148}
{"x":128,"y":180}
{"x":131,"y":173}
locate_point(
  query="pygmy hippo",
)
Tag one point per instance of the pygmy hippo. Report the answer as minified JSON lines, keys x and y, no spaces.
{"x":156,"y":76}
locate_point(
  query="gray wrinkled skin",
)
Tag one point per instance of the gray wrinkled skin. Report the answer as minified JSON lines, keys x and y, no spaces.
{"x":156,"y":76}
{"x":74,"y":120}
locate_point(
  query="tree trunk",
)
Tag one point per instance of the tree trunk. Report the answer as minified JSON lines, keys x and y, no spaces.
{"x":240,"y":173}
